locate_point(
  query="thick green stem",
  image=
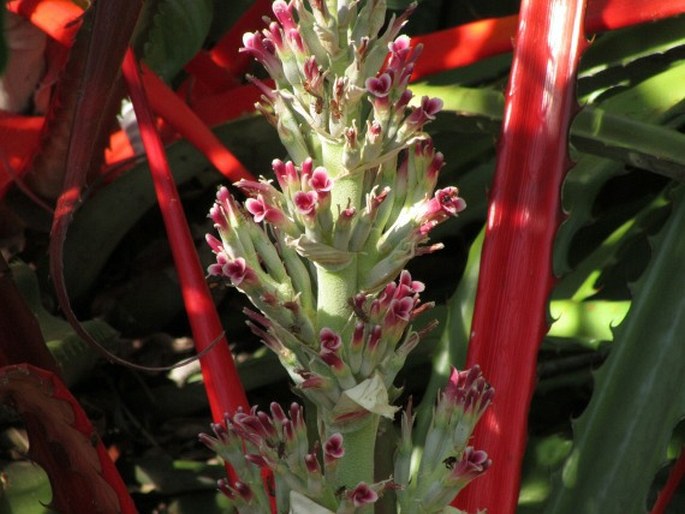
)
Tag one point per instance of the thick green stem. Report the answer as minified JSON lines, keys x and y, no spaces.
{"x":337,"y":286}
{"x":357,"y":464}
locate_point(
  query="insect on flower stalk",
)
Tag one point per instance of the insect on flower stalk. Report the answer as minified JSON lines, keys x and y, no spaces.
{"x":322,"y":258}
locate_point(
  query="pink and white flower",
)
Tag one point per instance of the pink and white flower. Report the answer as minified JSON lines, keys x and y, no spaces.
{"x":305,"y":202}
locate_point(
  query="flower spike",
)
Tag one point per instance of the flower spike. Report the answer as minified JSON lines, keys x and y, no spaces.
{"x":321,"y":252}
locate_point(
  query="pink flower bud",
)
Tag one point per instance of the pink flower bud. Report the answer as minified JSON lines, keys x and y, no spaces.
{"x":306,"y":168}
{"x":286,"y":174}
{"x":223,"y":210}
{"x":376,"y":309}
{"x":313,"y":77}
{"x":374,"y":337}
{"x":358,"y":335}
{"x":288,"y":431}
{"x":401,"y":309}
{"x":332,"y":359}
{"x":469,"y":390}
{"x":333,"y":448}
{"x":436,"y":164}
{"x":258,"y":208}
{"x":305,"y":202}
{"x":403,"y":100}
{"x":400,"y":46}
{"x":363,"y":495}
{"x":239,"y":272}
{"x":472,"y":463}
{"x":330,"y":340}
{"x":283,"y":12}
{"x":320,"y":181}
{"x":295,"y":38}
{"x":379,"y":86}
{"x":312,"y":463}
{"x":243,"y":490}
{"x":374,"y":131}
{"x":267,"y":425}
{"x":296,"y":415}
{"x":215,"y":244}
{"x":225,"y":489}
{"x":263,"y":50}
{"x":415,"y":285}
{"x":277,"y":413}
{"x":274,"y":34}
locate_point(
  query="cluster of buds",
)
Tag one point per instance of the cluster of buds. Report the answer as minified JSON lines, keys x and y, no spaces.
{"x":350,"y":376}
{"x":320,"y":251}
{"x":278,"y":442}
{"x":447,"y":464}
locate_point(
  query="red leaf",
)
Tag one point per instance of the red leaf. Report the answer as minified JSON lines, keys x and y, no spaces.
{"x":59,"y":19}
{"x":78,"y":141}
{"x":19,"y":139}
{"x":21,"y":340}
{"x":62,"y":440}
{"x":509,"y":320}
{"x":675,"y":477}
{"x":177,"y":113}
{"x":222,"y":383}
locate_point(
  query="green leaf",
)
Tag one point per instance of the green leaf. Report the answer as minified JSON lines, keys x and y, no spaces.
{"x":76,"y":359}
{"x":177,"y":31}
{"x":591,"y":320}
{"x":655,"y":101}
{"x":25,"y":489}
{"x":623,"y":435}
{"x":580,"y":282}
{"x":594,"y":130}
{"x":629,"y":56}
{"x":452,"y":346}
{"x":639,"y":144}
{"x":95,"y":233}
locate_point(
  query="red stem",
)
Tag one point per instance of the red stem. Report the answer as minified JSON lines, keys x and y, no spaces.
{"x":524,"y":212}
{"x":675,"y":477}
{"x":174,"y":111}
{"x":223,"y":386}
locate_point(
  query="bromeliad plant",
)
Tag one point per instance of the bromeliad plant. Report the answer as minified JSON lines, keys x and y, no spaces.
{"x":322,"y":257}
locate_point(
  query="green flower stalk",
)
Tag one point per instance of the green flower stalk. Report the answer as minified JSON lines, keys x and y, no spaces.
{"x":322,"y":258}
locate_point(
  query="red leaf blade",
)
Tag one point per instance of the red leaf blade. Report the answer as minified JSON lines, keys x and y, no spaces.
{"x":63,"y":441}
{"x":524,"y":213}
